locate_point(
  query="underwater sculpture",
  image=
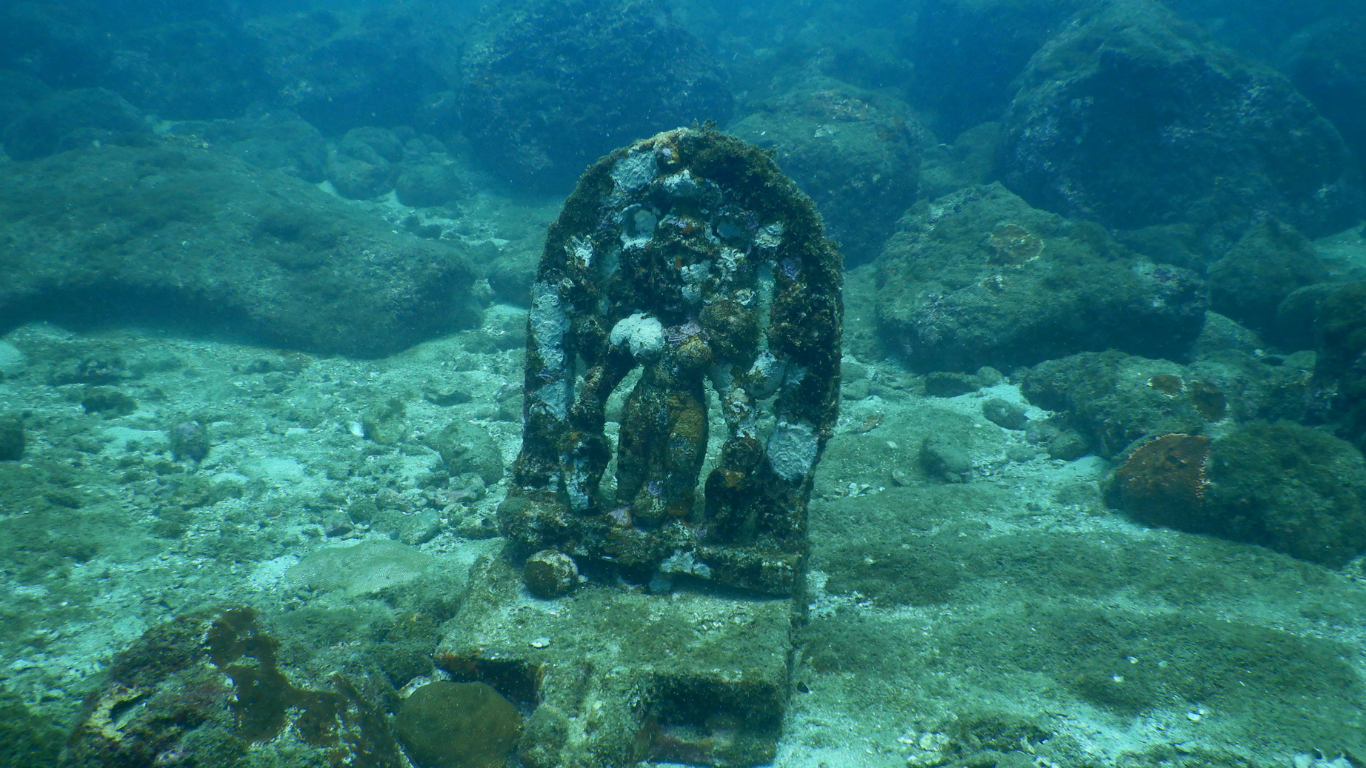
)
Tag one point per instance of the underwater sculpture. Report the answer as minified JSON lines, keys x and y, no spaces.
{"x":691,"y":257}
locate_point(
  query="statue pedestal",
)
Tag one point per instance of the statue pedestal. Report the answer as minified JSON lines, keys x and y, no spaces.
{"x":614,"y":676}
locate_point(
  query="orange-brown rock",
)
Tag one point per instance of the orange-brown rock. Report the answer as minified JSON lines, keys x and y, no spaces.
{"x":1163,"y":482}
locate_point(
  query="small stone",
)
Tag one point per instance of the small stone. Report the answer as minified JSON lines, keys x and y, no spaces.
{"x":1069,"y":445}
{"x":947,"y":384}
{"x":107,"y":401}
{"x":1005,"y":414}
{"x":990,"y":376}
{"x":11,"y":438}
{"x":550,"y":574}
{"x":945,"y":459}
{"x":189,"y":440}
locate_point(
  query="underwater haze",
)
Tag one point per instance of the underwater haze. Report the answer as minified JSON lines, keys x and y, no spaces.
{"x":610,"y":383}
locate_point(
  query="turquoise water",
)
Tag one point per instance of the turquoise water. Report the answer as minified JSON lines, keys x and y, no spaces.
{"x":284,"y":287}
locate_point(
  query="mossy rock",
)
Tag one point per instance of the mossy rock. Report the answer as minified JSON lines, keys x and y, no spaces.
{"x":191,"y":238}
{"x":981,"y":278}
{"x":26,"y":739}
{"x":1290,"y":488}
{"x":458,"y":725}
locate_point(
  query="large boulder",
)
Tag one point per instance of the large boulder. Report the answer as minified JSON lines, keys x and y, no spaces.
{"x":967,"y":53}
{"x":1340,"y":372}
{"x":1327,"y":63}
{"x":555,"y":84}
{"x":978,"y":277}
{"x":279,"y":140}
{"x":1131,"y":119}
{"x":19,"y":92}
{"x":189,"y":70}
{"x":341,"y":73}
{"x":1113,"y":399}
{"x":217,"y":686}
{"x":856,"y":156}
{"x":1267,"y":264}
{"x":1282,"y":486}
{"x":196,"y":239}
{"x":72,"y":119}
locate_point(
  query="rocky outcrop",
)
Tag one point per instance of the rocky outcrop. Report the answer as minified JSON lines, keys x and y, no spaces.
{"x":194,"y":239}
{"x":1131,"y":119}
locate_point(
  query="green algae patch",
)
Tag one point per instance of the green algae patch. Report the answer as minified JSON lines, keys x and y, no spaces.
{"x":26,"y":740}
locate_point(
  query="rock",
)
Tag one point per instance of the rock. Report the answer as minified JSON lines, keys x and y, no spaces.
{"x":1114,"y":399}
{"x":341,"y":73}
{"x":1327,"y":63}
{"x":856,"y":155}
{"x":468,"y":449}
{"x":191,"y":238}
{"x":1129,"y":118}
{"x":11,"y":437}
{"x":511,"y":277}
{"x":107,"y":401}
{"x":18,"y":94}
{"x":981,"y":278}
{"x":12,"y":360}
{"x":358,"y":180}
{"x":362,"y":167}
{"x":373,"y":144}
{"x":1340,"y":370}
{"x":968,"y":52}
{"x":949,"y":384}
{"x":549,"y":574}
{"x":969,"y":161}
{"x":1068,"y":445}
{"x":1268,"y":263}
{"x":279,"y":140}
{"x":1005,"y":414}
{"x":189,"y":440}
{"x":945,"y":459}
{"x":360,"y":569}
{"x":385,"y":423}
{"x":553,"y":84}
{"x":1297,"y":316}
{"x":1222,"y":334}
{"x":458,"y":725}
{"x":190,"y":69}
{"x":215,"y":685}
{"x":73,"y":119}
{"x":427,"y":184}
{"x":1282,"y":486}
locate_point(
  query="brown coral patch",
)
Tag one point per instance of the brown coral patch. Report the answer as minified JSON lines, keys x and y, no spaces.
{"x":1163,"y":482}
{"x":1167,"y":384}
{"x":1208,"y":400}
{"x":1012,"y":245}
